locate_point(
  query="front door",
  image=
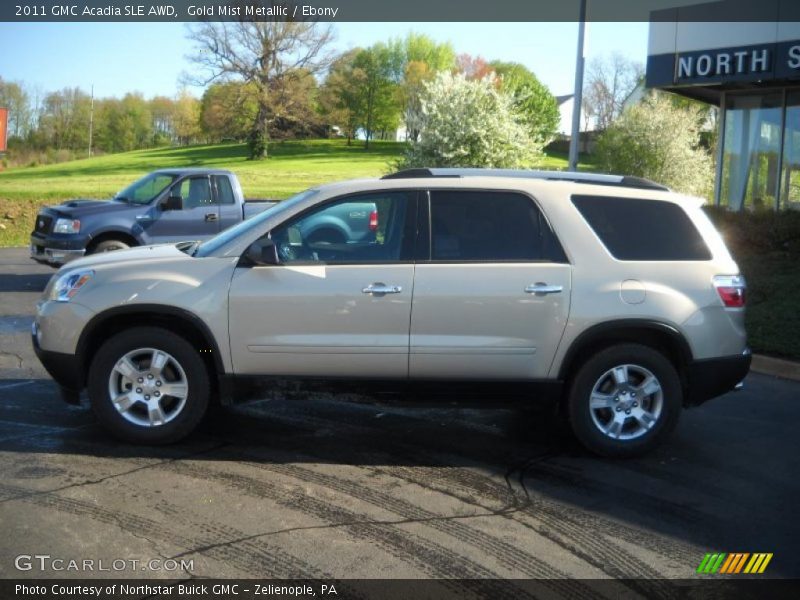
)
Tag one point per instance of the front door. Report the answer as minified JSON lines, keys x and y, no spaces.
{"x":337,"y":307}
{"x":492,"y":299}
{"x":198,"y":220}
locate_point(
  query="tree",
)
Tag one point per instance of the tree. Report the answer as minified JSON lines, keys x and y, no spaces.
{"x":473,"y":67}
{"x":123,"y":124}
{"x":228,"y":110}
{"x":265,"y":54}
{"x":64,"y":121}
{"x":163,"y":111}
{"x":420,"y":59}
{"x":186,"y":117}
{"x":20,"y":115}
{"x":609,"y":82}
{"x":470,"y":123}
{"x":536,"y":105}
{"x":340,"y":96}
{"x":658,"y":140}
{"x":378,"y":92}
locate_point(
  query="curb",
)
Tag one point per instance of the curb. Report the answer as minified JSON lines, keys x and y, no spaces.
{"x":777,"y":367}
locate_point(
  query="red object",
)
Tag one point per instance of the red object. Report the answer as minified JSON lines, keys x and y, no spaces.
{"x":732,"y":297}
{"x":731,"y":290}
{"x":3,"y":128}
{"x":373,"y":220}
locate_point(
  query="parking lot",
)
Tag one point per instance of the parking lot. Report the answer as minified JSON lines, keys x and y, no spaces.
{"x":318,"y":486}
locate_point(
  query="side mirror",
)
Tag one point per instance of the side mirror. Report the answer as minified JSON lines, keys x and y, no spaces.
{"x":263,"y":252}
{"x":172,"y":203}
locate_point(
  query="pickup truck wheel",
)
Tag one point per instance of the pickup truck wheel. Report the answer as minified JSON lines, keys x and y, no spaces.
{"x":148,"y":386}
{"x":625,"y":401}
{"x":109,"y":246}
{"x":326,"y":236}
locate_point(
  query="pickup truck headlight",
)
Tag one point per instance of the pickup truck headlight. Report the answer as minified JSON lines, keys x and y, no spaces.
{"x":67,"y":226}
{"x":68,"y":284}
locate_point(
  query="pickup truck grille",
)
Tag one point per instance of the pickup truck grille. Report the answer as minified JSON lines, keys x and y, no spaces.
{"x":43,"y":224}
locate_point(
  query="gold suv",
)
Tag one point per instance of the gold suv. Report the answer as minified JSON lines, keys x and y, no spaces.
{"x":609,"y":295}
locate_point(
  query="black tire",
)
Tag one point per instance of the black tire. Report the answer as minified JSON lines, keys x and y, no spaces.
{"x":194,"y":369}
{"x":641,"y":359}
{"x":109,"y":246}
{"x":326,"y":236}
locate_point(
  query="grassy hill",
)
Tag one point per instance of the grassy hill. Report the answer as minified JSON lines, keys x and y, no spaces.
{"x":293,"y":166}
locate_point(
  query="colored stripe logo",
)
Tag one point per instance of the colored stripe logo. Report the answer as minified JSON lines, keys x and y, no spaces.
{"x":734,"y":563}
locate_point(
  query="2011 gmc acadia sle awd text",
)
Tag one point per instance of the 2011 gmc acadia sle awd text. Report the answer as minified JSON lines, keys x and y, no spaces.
{"x":611,"y":296}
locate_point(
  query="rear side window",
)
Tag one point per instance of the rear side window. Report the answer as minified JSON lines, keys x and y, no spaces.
{"x":224,"y":190}
{"x":633,"y":229}
{"x":485,"y":226}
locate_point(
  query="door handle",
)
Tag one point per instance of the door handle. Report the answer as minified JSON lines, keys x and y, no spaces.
{"x":211,"y":216}
{"x":379,"y":289}
{"x":543,"y":288}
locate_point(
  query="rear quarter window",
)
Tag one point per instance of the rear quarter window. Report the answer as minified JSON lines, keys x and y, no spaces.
{"x":637,"y":229}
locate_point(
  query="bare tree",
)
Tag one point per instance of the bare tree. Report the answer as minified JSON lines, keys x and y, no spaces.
{"x":609,"y":81}
{"x":271,"y":55}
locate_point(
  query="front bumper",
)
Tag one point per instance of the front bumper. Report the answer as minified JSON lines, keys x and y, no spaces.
{"x":709,"y":378}
{"x":65,"y":369}
{"x":56,"y":250}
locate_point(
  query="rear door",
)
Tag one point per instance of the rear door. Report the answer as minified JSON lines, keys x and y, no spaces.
{"x":491,"y":290}
{"x":230,"y":211}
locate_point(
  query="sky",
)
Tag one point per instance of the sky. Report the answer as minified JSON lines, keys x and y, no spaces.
{"x":149,"y":57}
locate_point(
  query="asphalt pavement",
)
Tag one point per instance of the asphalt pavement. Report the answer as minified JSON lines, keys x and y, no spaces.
{"x":319,"y":484}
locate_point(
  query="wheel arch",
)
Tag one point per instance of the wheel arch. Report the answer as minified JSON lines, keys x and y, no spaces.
{"x":655,"y":334}
{"x":177,"y":320}
{"x":112,"y":234}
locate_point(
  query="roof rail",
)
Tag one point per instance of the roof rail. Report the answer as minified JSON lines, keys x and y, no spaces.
{"x":590,"y":178}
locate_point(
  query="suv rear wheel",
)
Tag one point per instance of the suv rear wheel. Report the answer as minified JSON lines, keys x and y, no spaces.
{"x":148,"y":386}
{"x":625,"y":400}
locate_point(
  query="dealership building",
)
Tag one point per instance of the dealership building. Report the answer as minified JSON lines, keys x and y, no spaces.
{"x":751,"y":71}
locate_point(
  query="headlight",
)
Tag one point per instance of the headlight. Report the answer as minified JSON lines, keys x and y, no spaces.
{"x":68,"y":284}
{"x":67,"y":226}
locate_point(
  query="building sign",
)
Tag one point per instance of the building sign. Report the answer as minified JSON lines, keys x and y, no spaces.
{"x":762,"y":62}
{"x":3,"y":128}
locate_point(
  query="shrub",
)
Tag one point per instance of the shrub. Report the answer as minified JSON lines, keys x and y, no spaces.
{"x":757,"y":233}
{"x":469,"y":123}
{"x":658,"y":140}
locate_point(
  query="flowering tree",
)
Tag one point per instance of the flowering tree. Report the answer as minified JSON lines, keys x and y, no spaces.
{"x":660,"y":140}
{"x":469,"y":123}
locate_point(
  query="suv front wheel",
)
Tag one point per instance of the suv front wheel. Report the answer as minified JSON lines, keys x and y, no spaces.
{"x":148,"y":386}
{"x":625,"y":400}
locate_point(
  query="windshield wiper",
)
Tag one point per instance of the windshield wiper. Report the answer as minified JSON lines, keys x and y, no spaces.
{"x":122,"y":199}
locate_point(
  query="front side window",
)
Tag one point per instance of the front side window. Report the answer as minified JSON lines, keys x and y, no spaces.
{"x":370,"y":228}
{"x":487,"y":226}
{"x":195,"y":191}
{"x":634,"y":229}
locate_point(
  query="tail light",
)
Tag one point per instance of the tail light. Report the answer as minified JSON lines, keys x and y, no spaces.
{"x":731,"y":290}
{"x":373,"y":220}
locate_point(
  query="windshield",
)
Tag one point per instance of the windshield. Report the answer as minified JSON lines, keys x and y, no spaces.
{"x":243,"y":228}
{"x":146,"y":189}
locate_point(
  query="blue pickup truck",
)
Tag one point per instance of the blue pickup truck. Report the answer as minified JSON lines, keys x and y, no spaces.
{"x":165,"y":206}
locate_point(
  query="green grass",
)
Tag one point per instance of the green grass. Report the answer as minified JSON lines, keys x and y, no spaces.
{"x":292,"y":167}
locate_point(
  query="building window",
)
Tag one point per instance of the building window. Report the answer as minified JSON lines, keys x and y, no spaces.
{"x":751,"y":151}
{"x":790,"y":189}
